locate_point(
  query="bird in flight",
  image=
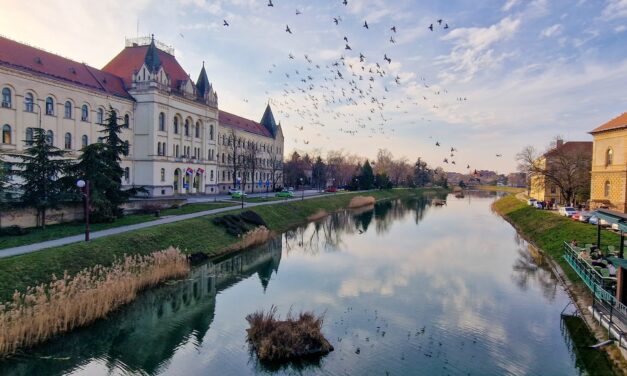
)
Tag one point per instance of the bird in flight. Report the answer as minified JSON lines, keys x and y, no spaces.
{"x":270,"y":3}
{"x":345,"y":39}
{"x":437,"y":143}
{"x":366,"y":24}
{"x":297,"y":12}
{"x":499,"y":155}
{"x":440,"y":21}
{"x":430,"y":27}
{"x":225,"y":23}
{"x":393,"y":28}
{"x":446,"y":26}
{"x":345,"y":2}
{"x":347,"y":47}
{"x":336,"y":20}
{"x":386,"y":58}
{"x":392,"y":40}
{"x":287,"y":29}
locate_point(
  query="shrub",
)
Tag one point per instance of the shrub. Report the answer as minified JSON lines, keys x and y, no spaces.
{"x":14,"y":230}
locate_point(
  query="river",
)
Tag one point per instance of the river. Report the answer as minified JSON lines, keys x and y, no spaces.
{"x":406,"y":288}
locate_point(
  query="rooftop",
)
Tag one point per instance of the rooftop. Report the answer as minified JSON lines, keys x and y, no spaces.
{"x":616,"y":123}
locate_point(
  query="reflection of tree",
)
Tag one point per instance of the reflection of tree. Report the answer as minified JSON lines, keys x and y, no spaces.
{"x":530,"y":267}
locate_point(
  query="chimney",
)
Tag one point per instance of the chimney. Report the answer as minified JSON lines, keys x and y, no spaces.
{"x":559,"y":143}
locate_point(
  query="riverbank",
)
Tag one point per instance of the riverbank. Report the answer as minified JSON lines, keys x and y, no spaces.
{"x":191,"y":236}
{"x":547,"y":232}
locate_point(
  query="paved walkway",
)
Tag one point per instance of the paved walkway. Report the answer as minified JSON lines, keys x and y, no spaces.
{"x":29,"y":248}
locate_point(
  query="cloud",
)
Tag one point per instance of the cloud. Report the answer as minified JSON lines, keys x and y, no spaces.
{"x":551,"y":31}
{"x":509,"y":5}
{"x":474,"y":51}
{"x":615,"y":9}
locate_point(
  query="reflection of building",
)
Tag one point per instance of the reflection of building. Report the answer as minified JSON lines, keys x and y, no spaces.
{"x":541,"y":187}
{"x":147,"y":332}
{"x":176,"y":132}
{"x":609,"y":165}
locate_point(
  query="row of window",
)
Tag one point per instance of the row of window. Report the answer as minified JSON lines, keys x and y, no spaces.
{"x":228,"y":141}
{"x":228,"y":176}
{"x":29,"y":137}
{"x":68,"y":107}
{"x":186,"y":126}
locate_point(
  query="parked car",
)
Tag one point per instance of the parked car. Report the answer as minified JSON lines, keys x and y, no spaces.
{"x":331,"y":189}
{"x":285,"y":194}
{"x":531,"y":202}
{"x":567,"y":211}
{"x":238,"y":194}
{"x":584,"y":216}
{"x":233,"y":190}
{"x":594,"y":220}
{"x":290,"y":189}
{"x":538,"y":204}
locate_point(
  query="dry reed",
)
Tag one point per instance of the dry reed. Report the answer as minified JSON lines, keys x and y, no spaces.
{"x":256,"y":236}
{"x":73,"y":301}
{"x":295,"y":337}
{"x":359,"y":201}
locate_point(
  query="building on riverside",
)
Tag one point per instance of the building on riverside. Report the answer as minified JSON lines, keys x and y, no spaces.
{"x":608,"y":187}
{"x":180,"y":141}
{"x":575,"y":155}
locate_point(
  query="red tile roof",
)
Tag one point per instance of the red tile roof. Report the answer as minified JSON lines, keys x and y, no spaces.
{"x":131,"y":59}
{"x":231,"y":120}
{"x":616,"y":123}
{"x":35,"y":61}
{"x":574,"y":147}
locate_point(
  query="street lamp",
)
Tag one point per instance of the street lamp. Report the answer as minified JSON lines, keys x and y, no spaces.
{"x":303,"y":187}
{"x":84,"y":186}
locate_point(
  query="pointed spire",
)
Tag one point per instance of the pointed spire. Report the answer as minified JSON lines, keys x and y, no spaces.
{"x":202,"y":84}
{"x":152,"y":60}
{"x":268,"y":121}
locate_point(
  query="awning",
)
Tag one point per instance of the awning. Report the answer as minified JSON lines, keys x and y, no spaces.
{"x":613,"y":217}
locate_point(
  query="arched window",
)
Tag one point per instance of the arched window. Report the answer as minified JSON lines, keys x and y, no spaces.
{"x":197,"y":130}
{"x":50,"y":138}
{"x":68,"y":140}
{"x":6,"y":134}
{"x":606,"y":189}
{"x":127,"y":173}
{"x":68,"y":110}
{"x":163,"y":174}
{"x":176,"y":125}
{"x":186,"y":127}
{"x":100,"y":116}
{"x":127,"y":120}
{"x":211,"y":132}
{"x":85,"y":140}
{"x":162,"y":121}
{"x":49,"y":106}
{"x":609,"y":156}
{"x":29,"y":136}
{"x":28,"y":102}
{"x":84,"y":113}
{"x":6,"y":97}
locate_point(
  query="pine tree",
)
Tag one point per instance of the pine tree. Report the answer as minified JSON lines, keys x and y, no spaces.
{"x":41,"y":172}
{"x":366,"y":177}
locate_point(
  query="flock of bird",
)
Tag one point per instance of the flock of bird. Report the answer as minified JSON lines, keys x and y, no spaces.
{"x":355,"y":89}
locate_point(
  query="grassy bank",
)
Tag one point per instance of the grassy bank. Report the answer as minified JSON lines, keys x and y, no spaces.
{"x":194,"y":235}
{"x":549,"y":231}
{"x":37,"y":235}
{"x":500,"y":189}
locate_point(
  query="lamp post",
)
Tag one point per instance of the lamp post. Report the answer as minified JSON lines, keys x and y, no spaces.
{"x":84,"y":186}
{"x":356,"y":184}
{"x":303,"y":188}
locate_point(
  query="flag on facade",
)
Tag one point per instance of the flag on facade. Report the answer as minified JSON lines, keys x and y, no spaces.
{"x":189,"y":171}
{"x":200,"y":170}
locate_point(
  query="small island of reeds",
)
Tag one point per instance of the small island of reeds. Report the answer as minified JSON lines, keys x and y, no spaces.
{"x":296,"y":337}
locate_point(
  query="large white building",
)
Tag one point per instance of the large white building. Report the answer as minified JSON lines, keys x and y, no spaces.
{"x":180,"y":142}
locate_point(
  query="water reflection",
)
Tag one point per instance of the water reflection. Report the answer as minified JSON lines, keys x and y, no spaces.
{"x":407,"y":287}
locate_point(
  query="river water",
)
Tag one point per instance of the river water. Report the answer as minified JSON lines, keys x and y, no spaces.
{"x":407,"y":288}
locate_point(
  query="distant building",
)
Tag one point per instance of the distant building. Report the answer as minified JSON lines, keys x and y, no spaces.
{"x":517,"y":179}
{"x":180,"y":142}
{"x":541,"y":187}
{"x":609,"y":165}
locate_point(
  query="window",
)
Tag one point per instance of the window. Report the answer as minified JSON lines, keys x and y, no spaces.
{"x":162,"y":122}
{"x":176,"y":125}
{"x":68,"y":140}
{"x":49,"y":106}
{"x":163,"y":174}
{"x":6,"y":134}
{"x":609,"y":156}
{"x":127,"y":120}
{"x":50,"y":138}
{"x":211,"y":174}
{"x":127,"y":174}
{"x":606,"y":190}
{"x":84,"y":140}
{"x":197,"y":130}
{"x":553,"y":189}
{"x":177,"y":151}
{"x":211,"y":132}
{"x":158,"y":148}
{"x":100,"y":116}
{"x":29,"y":136}
{"x":6,"y":97}
{"x":28,"y":102}
{"x":68,"y":110}
{"x":186,"y":127}
{"x":84,"y":113}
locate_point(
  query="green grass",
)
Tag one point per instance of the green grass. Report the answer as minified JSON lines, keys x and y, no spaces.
{"x":500,"y":189}
{"x":549,"y":231}
{"x":37,"y":235}
{"x":193,"y":235}
{"x":258,"y":199}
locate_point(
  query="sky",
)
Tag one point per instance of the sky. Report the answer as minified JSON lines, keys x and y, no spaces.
{"x":503,"y":75}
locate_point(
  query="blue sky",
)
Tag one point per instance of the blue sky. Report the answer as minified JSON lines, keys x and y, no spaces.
{"x":529,"y":70}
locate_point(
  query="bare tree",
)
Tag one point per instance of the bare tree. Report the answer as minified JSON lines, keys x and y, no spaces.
{"x":567,"y":168}
{"x":250,"y":162}
{"x":275,"y":161}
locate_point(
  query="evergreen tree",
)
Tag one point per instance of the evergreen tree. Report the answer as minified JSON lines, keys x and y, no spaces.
{"x":366,"y":176}
{"x":422,"y":173}
{"x":318,"y":173}
{"x":40,"y":171}
{"x":383,"y":181}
